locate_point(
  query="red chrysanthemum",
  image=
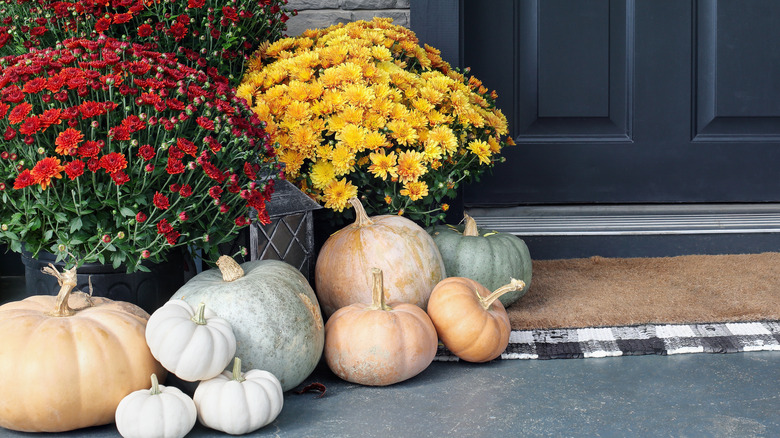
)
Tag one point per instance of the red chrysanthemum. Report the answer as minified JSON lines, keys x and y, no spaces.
{"x":4,"y":107}
{"x":34,"y":86}
{"x":174,"y":166}
{"x":19,"y":112}
{"x":172,"y":237}
{"x":9,"y":133}
{"x":140,"y":217}
{"x":187,"y":146}
{"x":24,"y":179}
{"x":146,"y":152}
{"x":215,"y":192}
{"x":91,"y":109}
{"x":163,"y":227}
{"x":46,"y":169}
{"x":50,"y":117}
{"x":213,"y":172}
{"x":74,"y":169}
{"x":30,"y":126}
{"x":113,"y":162}
{"x":68,"y":141}
{"x":120,"y":133}
{"x":178,"y":31}
{"x":133,"y":123}
{"x":160,"y":201}
{"x":120,"y":177}
{"x":205,"y":123}
{"x":102,"y":25}
{"x":230,"y":13}
{"x":90,"y":149}
{"x":185,"y":191}
{"x":122,"y":18}
{"x":195,"y":3}
{"x":144,"y":30}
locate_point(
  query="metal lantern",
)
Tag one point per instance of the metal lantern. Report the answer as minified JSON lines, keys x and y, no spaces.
{"x":290,"y":235}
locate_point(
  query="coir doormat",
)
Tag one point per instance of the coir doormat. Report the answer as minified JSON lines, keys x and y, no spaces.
{"x":661,"y":339}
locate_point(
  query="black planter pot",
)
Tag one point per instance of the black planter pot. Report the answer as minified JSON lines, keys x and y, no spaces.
{"x":148,"y":290}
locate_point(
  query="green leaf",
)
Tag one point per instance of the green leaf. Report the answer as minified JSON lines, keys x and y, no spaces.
{"x":126,"y":212}
{"x":48,"y":234}
{"x":60,"y":217}
{"x":75,"y":224}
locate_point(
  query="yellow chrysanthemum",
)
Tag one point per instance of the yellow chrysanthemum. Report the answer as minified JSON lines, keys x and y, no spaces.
{"x":352,"y":114}
{"x":495,"y":146}
{"x":380,"y":53}
{"x":415,"y":190}
{"x":431,"y":94}
{"x":382,"y":165}
{"x":444,"y":138}
{"x":358,"y":94}
{"x":482,"y":150}
{"x":410,"y":166}
{"x":402,"y":132}
{"x":497,"y":121}
{"x":322,"y":174}
{"x":343,"y":159}
{"x":432,"y":151}
{"x":292,"y":160}
{"x":304,"y":138}
{"x":338,"y":193}
{"x":352,"y":136}
{"x":375,"y":140}
{"x":298,"y":111}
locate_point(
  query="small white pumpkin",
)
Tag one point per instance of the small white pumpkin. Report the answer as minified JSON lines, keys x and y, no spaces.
{"x":162,"y":411}
{"x":239,"y":403}
{"x":192,"y":344}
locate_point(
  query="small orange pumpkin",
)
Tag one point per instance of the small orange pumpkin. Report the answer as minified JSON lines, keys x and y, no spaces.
{"x":379,"y":344}
{"x":67,"y":361}
{"x":470,"y":320}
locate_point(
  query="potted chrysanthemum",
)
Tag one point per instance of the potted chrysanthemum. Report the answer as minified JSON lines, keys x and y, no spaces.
{"x":362,"y":109}
{"x":221,"y":35}
{"x":114,"y":154}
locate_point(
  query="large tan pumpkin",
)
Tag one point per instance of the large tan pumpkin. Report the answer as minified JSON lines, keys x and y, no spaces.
{"x":67,"y":361}
{"x":405,"y":253}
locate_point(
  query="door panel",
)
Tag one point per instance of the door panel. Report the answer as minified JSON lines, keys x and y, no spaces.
{"x":630,"y":101}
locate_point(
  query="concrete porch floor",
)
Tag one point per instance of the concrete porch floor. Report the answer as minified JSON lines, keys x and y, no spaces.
{"x":691,"y":395}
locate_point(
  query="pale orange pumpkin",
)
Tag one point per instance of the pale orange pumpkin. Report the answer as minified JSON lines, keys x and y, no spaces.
{"x":399,"y":247}
{"x":470,"y":320}
{"x":380,"y":343}
{"x":67,"y":361}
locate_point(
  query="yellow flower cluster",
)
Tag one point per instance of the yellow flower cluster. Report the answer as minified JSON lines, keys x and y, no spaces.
{"x":362,"y":107}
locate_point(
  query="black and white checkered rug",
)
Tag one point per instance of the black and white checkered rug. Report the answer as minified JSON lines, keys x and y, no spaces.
{"x":638,"y":340}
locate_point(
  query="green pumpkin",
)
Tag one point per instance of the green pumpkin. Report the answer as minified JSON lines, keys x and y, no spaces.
{"x":488,"y":257}
{"x":273,"y":311}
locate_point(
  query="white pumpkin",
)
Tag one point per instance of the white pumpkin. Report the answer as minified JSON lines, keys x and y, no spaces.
{"x":162,"y":411}
{"x":192,"y":344}
{"x":239,"y":403}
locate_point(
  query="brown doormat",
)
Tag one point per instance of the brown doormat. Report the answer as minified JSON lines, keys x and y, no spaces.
{"x":602,"y":292}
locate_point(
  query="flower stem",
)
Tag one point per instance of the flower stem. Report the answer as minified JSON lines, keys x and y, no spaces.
{"x":237,"y":370}
{"x":200,"y":314}
{"x":361,"y":217}
{"x":378,"y":291}
{"x":155,"y":389}
{"x":490,"y":299}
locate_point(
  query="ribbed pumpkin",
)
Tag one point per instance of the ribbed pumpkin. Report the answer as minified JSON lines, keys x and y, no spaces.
{"x":470,"y":320}
{"x":399,"y":247}
{"x":67,"y":361}
{"x":379,"y":343}
{"x":273,"y":312}
{"x":488,"y":257}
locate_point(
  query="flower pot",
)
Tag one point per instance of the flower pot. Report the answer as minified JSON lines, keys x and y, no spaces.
{"x":148,"y":290}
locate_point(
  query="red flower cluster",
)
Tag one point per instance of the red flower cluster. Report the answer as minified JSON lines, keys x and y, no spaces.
{"x":183,"y":157}
{"x":237,"y":29}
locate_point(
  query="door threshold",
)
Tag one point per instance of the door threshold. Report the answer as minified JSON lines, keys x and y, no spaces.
{"x":628,"y":220}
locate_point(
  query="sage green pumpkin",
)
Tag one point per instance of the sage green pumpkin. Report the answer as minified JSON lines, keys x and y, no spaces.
{"x":273,"y":311}
{"x":490,"y":258}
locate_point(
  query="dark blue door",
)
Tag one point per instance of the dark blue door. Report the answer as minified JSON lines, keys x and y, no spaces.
{"x":630,"y":101}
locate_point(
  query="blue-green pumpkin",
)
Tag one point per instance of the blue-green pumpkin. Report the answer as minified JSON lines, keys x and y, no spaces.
{"x":488,"y":257}
{"x":273,"y":311}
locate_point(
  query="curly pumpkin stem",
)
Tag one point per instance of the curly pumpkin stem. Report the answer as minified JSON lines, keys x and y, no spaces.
{"x":155,"y":389}
{"x":237,"y":371}
{"x":200,"y":314}
{"x":67,"y":281}
{"x":361,"y":217}
{"x":488,"y":300}
{"x":378,"y":291}
{"x":471,"y":226}
{"x":230,"y":269}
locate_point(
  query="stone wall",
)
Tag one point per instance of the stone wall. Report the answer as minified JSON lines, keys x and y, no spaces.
{"x":323,"y":13}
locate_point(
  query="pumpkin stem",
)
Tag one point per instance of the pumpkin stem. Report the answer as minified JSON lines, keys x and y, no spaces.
{"x":237,"y":370}
{"x":67,"y":281}
{"x":471,"y":226}
{"x":230,"y":269}
{"x":361,"y":217}
{"x":200,"y":314}
{"x":378,"y":291}
{"x":513,"y":286}
{"x":155,"y":385}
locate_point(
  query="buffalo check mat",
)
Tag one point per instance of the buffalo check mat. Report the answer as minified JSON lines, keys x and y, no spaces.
{"x":662,"y":339}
